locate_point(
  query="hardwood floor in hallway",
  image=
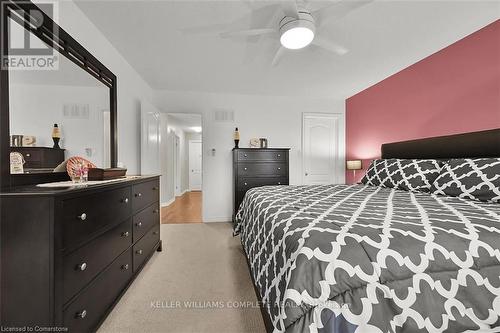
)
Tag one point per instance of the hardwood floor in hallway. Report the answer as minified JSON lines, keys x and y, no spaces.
{"x":185,"y":209}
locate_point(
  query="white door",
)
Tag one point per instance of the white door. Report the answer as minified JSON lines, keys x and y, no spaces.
{"x":177,"y":161}
{"x":150,"y":139}
{"x":321,"y":147}
{"x":195,"y":165}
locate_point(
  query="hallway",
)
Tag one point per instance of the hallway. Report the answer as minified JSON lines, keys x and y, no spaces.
{"x":185,"y":209}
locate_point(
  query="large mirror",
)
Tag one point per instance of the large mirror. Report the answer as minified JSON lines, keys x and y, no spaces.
{"x":59,"y":107}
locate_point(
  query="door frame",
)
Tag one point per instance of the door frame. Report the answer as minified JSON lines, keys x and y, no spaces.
{"x":176,"y":169}
{"x":145,"y":138}
{"x":189,"y":160}
{"x":340,"y":170}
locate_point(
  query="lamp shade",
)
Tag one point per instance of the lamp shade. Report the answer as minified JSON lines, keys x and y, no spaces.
{"x":354,"y":165}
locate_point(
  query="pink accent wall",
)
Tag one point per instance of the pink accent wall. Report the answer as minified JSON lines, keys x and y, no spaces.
{"x":452,"y":91}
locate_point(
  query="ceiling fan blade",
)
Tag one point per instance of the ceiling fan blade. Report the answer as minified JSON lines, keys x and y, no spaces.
{"x":250,"y":4}
{"x":329,"y":45}
{"x":337,"y":10}
{"x":277,"y":56}
{"x":245,"y":33}
{"x":259,"y":17}
{"x":265,"y":17}
{"x":290,"y":8}
{"x":204,"y":29}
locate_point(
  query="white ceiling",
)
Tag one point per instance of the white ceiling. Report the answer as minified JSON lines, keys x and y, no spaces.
{"x":185,"y":121}
{"x":383,"y":37}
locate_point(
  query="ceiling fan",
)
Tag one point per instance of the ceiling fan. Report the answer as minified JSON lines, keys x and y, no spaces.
{"x":294,"y":22}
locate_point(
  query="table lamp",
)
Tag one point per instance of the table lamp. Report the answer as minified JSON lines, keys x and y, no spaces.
{"x":354,"y":165}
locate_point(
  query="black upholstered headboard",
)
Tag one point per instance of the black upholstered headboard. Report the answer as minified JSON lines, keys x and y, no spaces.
{"x":474,"y":144}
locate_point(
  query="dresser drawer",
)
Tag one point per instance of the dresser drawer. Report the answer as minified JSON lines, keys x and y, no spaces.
{"x":262,"y":168}
{"x":144,"y":247}
{"x":246,"y":183}
{"x":144,"y":194}
{"x":262,"y":155}
{"x":82,"y":265}
{"x":85,"y":312}
{"x":88,"y":215}
{"x":145,"y":219}
{"x":32,"y":155}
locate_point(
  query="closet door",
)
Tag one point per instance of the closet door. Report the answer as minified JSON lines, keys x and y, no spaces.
{"x":322,"y":147}
{"x":195,"y":151}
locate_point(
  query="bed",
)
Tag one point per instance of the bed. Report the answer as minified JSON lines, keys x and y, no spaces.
{"x":360,"y":258}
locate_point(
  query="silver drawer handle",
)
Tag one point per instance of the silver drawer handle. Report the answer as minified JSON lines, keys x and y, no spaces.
{"x":139,"y":224}
{"x":125,"y":200}
{"x":125,"y":234}
{"x":138,"y":252}
{"x":245,"y":155}
{"x":125,"y":267}
{"x":245,"y":169}
{"x":279,"y":168}
{"x":246,"y":184}
{"x":279,"y":155}
{"x":82,"y":314}
{"x":279,"y":183}
{"x":138,"y":194}
{"x":28,"y":155}
{"x":82,"y":217}
{"x":82,"y":266}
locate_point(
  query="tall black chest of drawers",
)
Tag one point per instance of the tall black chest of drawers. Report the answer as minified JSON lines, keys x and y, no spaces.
{"x":253,"y":167}
{"x":68,"y":254}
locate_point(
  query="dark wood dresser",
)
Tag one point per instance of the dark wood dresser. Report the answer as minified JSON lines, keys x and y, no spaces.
{"x":68,"y":254}
{"x":40,"y":157}
{"x":253,"y":167}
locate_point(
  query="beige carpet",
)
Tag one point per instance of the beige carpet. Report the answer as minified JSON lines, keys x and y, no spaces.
{"x":199,"y":283}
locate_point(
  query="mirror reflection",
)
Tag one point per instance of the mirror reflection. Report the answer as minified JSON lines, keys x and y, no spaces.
{"x":56,"y":114}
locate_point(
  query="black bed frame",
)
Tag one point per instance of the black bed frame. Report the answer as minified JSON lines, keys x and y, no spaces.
{"x":473,"y":144}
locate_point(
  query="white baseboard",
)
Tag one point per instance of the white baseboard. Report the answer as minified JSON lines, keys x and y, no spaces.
{"x":168,"y":203}
{"x":182,"y":193}
{"x":217,"y":219}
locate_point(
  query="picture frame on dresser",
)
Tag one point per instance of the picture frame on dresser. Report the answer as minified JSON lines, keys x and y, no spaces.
{"x":68,"y":253}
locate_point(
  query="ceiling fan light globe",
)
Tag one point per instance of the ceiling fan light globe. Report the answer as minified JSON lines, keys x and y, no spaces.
{"x":297,"y":38}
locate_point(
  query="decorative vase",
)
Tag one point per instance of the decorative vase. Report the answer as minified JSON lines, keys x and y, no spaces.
{"x":56,"y":136}
{"x":56,"y":143}
{"x":236,"y":137}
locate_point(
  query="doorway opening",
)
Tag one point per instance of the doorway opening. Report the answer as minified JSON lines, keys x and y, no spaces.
{"x":183,"y":169}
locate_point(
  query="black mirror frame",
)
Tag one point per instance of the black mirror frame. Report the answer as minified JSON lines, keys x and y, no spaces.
{"x":68,"y":47}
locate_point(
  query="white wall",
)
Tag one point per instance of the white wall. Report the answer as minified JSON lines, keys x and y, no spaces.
{"x":277,"y":118}
{"x":131,"y":87}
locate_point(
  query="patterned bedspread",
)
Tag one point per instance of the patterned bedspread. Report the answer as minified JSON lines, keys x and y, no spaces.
{"x":345,"y":258}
